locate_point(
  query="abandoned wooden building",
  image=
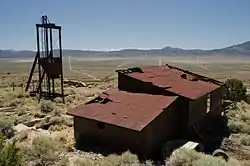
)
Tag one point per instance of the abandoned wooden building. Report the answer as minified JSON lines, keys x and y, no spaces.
{"x":151,"y":106}
{"x":201,"y":94}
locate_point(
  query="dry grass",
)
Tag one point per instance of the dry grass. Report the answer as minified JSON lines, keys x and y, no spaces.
{"x":60,"y":123}
{"x":239,"y":118}
{"x":47,"y":106}
{"x":43,"y":150}
{"x":245,"y":139}
{"x":27,"y":108}
{"x":125,"y":159}
{"x":186,"y":157}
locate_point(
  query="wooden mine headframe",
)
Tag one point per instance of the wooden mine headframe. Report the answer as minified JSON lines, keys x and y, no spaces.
{"x":49,"y":65}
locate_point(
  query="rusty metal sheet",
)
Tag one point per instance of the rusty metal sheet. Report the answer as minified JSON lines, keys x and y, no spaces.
{"x":129,"y":110}
{"x":175,"y":81}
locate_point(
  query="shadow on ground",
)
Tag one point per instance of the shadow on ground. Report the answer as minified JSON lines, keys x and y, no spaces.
{"x":210,"y":132}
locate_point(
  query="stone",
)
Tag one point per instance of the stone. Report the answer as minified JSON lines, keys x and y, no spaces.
{"x":33,"y":122}
{"x":22,"y":135}
{"x":20,"y":127}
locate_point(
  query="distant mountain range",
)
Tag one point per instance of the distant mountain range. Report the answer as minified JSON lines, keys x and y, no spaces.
{"x":242,"y":49}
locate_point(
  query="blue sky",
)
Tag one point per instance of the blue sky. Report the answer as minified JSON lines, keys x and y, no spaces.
{"x":118,"y":24}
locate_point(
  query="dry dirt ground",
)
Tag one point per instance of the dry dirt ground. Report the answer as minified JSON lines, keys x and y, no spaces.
{"x":99,"y":75}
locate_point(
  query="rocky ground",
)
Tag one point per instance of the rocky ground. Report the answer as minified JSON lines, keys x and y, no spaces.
{"x":24,"y":119}
{"x":45,"y":133}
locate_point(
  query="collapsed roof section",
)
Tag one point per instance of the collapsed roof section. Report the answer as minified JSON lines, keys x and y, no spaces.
{"x":178,"y":81}
{"x":124,"y":109}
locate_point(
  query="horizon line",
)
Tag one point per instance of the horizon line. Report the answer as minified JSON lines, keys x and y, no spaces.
{"x":131,"y":48}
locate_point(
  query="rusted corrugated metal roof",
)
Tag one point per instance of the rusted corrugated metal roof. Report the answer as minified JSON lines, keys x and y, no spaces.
{"x":183,"y":83}
{"x":138,"y":99}
{"x":129,"y":110}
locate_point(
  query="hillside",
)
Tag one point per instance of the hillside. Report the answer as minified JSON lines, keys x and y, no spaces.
{"x":242,"y":49}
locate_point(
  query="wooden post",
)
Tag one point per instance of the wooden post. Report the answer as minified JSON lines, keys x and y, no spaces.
{"x":13,"y":86}
{"x":22,"y":87}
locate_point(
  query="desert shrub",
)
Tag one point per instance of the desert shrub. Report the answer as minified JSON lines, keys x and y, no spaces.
{"x":245,"y":139}
{"x":57,"y":127}
{"x":37,"y":113}
{"x":239,"y":118}
{"x":44,"y":124}
{"x":9,"y":98}
{"x":125,"y":158}
{"x":15,"y":102}
{"x":235,"y":126}
{"x":84,"y":161}
{"x":10,"y":153}
{"x":234,"y":112}
{"x":47,"y":106}
{"x":55,"y":120}
{"x":61,"y":120}
{"x":58,"y":100}
{"x":21,"y":94}
{"x":245,"y":117}
{"x":57,"y":84}
{"x":6,"y":126}
{"x":2,"y":140}
{"x":57,"y":112}
{"x":183,"y":157}
{"x":68,"y":121}
{"x":186,"y":157}
{"x":236,"y":90}
{"x":21,"y":110}
{"x":63,"y":162}
{"x":209,"y":160}
{"x":128,"y":158}
{"x":69,"y":99}
{"x":22,"y":118}
{"x":43,"y":151}
{"x":247,"y":98}
{"x":5,"y":121}
{"x":62,"y":138}
{"x":238,"y":126}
